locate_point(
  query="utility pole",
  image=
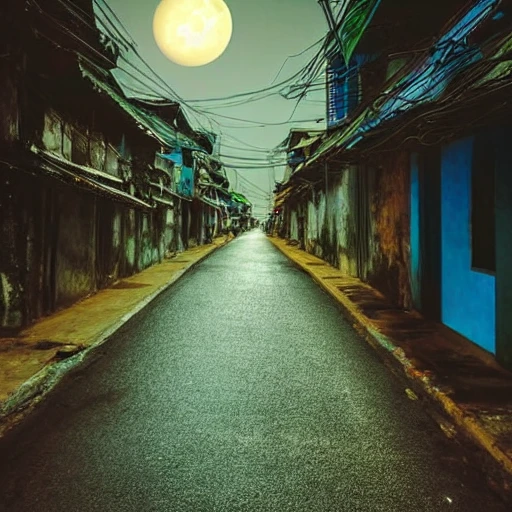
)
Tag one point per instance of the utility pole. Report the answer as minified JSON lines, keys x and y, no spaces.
{"x":332,"y":22}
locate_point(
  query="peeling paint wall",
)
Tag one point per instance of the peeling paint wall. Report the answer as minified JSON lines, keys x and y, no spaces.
{"x":60,"y":244}
{"x":130,"y":243}
{"x":346,"y":229}
{"x":389,"y":266}
{"x":331,"y":222}
{"x":76,"y":247}
{"x":294,"y":226}
{"x":361,"y":224}
{"x":11,"y":282}
{"x":168,"y":233}
{"x":315,"y":213}
{"x":146,"y":250}
{"x":328,"y":220}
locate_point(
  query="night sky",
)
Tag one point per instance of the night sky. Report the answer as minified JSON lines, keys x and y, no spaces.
{"x":265,"y":33}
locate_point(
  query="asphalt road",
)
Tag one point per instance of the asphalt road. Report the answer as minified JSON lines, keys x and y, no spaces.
{"x":242,"y":388}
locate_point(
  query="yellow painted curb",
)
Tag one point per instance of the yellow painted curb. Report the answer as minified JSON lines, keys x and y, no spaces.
{"x":471,"y":426}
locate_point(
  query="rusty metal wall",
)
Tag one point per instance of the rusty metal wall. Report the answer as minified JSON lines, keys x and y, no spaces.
{"x":389,"y":257}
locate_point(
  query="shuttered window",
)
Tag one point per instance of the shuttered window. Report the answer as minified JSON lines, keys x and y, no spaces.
{"x":483,"y":243}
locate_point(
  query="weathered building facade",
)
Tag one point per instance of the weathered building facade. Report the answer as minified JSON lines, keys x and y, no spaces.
{"x":409,"y":188}
{"x":90,"y":190}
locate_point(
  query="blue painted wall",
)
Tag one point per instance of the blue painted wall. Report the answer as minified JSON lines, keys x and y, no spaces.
{"x":467,"y":296}
{"x":415,"y":233}
{"x":186,"y":174}
{"x":186,"y":184}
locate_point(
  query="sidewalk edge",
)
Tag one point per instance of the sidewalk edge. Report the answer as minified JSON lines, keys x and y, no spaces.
{"x":386,"y":347}
{"x":32,"y":391}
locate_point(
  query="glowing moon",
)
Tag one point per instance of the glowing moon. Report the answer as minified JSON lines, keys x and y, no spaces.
{"x":192,"y":32}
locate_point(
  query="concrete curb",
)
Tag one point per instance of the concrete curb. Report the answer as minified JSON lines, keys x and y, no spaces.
{"x":35,"y":389}
{"x":395,"y":355}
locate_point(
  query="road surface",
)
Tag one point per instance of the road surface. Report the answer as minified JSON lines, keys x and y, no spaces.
{"x":241,"y":388}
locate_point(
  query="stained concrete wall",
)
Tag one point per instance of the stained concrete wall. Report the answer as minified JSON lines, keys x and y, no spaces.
{"x":294,"y":226}
{"x":389,"y":265}
{"x":75,"y":274}
{"x":360,"y":224}
{"x":328,"y":221}
{"x":12,"y":237}
{"x":60,"y":244}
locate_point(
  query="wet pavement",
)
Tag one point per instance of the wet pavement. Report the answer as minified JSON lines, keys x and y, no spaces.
{"x":241,"y":388}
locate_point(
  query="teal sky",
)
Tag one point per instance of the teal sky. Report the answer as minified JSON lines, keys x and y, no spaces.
{"x":265,"y":33}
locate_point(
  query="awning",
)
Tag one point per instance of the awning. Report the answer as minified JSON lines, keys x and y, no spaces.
{"x":288,"y":192}
{"x":283,"y":195}
{"x":209,"y":202}
{"x":170,"y":192}
{"x":85,"y":177}
{"x":154,"y":125}
{"x":309,"y":141}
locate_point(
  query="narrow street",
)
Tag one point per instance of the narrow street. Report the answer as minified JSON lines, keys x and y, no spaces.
{"x":241,"y":388}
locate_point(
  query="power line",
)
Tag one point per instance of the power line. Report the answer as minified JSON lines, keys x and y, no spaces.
{"x":158,"y":87}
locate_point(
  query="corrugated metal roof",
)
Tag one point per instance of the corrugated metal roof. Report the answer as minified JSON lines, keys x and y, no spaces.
{"x":422,"y":85}
{"x":154,"y":125}
{"x":288,"y":192}
{"x":304,"y":143}
{"x":67,"y":171}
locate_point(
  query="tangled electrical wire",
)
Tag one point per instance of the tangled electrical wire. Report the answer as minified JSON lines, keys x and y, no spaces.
{"x":450,"y":87}
{"x":140,"y":78}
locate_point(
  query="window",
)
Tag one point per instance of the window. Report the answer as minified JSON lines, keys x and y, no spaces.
{"x":343,"y":90}
{"x":483,"y":243}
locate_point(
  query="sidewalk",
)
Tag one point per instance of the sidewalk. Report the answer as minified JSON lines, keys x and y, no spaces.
{"x":466,"y":391}
{"x":34,"y":361}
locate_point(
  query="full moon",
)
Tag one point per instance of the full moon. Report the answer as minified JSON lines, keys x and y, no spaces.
{"x":192,"y":32}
